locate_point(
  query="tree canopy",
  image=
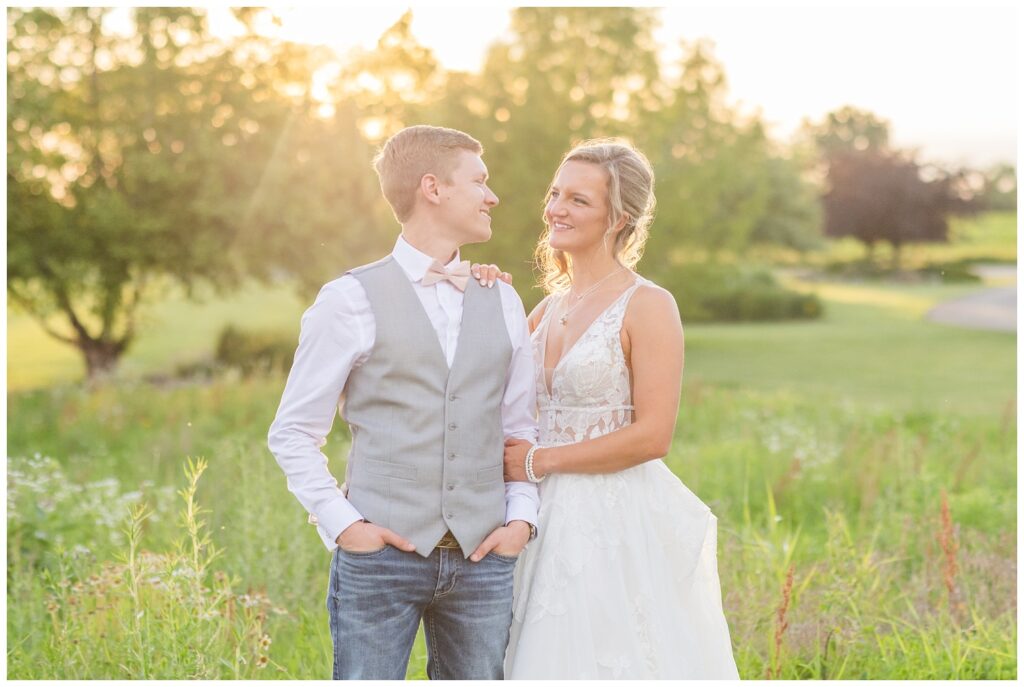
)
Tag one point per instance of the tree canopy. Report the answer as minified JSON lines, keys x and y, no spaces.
{"x":167,"y":155}
{"x":874,"y":193}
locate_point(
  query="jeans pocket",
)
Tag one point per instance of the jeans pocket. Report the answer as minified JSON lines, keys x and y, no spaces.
{"x":503,"y":558}
{"x":364,"y":554}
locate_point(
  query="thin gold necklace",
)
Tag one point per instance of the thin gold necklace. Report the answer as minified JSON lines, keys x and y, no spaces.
{"x":564,"y":319}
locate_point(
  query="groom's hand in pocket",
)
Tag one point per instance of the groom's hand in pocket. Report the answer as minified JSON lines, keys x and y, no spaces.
{"x":364,"y":537}
{"x":504,"y":541}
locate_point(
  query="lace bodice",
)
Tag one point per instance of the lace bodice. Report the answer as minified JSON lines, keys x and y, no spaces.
{"x":589,"y":393}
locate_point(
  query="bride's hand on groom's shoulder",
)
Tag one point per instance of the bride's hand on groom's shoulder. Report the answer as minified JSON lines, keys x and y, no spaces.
{"x":365,"y":537}
{"x":488,"y":274}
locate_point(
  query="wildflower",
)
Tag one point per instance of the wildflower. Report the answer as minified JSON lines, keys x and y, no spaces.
{"x":51,"y":607}
{"x":265,"y":642}
{"x":247,"y":600}
{"x":262,"y":661}
{"x":781,"y":625}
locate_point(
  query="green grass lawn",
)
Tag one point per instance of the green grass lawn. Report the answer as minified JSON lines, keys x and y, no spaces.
{"x":872,"y":347}
{"x":174,"y":331}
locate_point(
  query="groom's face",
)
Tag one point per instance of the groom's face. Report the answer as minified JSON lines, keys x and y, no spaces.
{"x":467,"y":200}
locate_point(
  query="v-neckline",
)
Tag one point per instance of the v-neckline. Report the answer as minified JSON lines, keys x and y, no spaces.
{"x":549,"y":386}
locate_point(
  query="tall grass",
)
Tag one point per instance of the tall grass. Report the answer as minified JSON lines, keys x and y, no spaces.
{"x":837,"y":556}
{"x":144,"y":615}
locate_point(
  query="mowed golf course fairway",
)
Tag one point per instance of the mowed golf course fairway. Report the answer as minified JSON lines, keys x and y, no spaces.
{"x":862,"y":468}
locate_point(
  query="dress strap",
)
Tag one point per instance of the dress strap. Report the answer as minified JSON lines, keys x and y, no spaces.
{"x":619,"y":311}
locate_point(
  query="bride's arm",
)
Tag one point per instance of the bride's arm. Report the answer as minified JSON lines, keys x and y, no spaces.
{"x":655,"y":337}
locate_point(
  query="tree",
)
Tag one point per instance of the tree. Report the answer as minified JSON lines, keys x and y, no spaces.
{"x":884,"y":196}
{"x":875,"y":193}
{"x":317,"y":208}
{"x":110,"y":142}
{"x":166,"y":156}
{"x":393,"y":85}
{"x":563,"y":75}
{"x":999,"y":188}
{"x":848,"y":128}
{"x":792,"y":214}
{"x":714,"y":168}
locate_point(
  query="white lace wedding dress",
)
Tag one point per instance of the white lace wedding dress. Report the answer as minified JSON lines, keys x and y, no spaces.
{"x":622,"y":580}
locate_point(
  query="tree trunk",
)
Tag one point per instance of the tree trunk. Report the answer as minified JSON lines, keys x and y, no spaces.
{"x":101,"y":357}
{"x":896,"y":246}
{"x":870,"y":257}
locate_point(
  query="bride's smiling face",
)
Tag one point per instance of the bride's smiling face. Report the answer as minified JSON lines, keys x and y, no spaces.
{"x":577,"y":210}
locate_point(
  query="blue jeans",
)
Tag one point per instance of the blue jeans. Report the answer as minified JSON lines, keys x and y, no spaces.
{"x":376,"y":600}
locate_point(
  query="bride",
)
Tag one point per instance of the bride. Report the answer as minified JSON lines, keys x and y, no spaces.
{"x":622,"y":579}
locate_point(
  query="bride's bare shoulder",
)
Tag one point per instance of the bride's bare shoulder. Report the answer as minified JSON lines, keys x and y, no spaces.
{"x":652,"y":306}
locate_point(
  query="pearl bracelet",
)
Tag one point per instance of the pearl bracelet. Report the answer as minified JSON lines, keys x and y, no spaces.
{"x":529,"y":465}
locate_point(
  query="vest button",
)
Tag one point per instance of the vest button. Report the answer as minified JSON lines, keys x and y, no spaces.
{"x":453,"y":426}
{"x":452,"y":397}
{"x":451,"y":456}
{"x":449,"y":515}
{"x":450,"y":487}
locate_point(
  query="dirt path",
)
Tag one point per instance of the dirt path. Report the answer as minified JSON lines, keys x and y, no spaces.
{"x":994,"y":308}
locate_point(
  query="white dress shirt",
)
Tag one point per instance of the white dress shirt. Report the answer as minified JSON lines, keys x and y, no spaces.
{"x":337,"y":336}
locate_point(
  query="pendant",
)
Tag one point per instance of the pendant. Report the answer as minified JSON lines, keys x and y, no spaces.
{"x":564,"y":319}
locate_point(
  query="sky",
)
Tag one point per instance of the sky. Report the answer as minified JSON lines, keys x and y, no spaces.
{"x":945,"y":77}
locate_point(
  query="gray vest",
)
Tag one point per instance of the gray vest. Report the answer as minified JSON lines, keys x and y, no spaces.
{"x":427,"y":442}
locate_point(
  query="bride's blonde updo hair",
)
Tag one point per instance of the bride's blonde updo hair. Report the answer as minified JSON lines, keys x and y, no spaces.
{"x":630,"y":195}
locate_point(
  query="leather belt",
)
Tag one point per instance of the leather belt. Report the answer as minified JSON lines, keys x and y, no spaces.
{"x":448,"y":541}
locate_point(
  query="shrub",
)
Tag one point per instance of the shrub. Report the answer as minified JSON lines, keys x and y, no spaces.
{"x":957,"y":272}
{"x":723,"y":293}
{"x":252,"y":352}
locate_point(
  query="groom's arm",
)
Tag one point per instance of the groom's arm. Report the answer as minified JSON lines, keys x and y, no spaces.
{"x":519,"y":404}
{"x":337,"y":335}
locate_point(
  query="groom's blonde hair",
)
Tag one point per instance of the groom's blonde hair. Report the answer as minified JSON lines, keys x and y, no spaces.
{"x":413,"y":152}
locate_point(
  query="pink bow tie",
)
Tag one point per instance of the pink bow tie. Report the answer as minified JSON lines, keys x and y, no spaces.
{"x":458,"y":275}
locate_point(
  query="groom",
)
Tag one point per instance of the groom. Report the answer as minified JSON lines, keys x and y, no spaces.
{"x":432,"y":372}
